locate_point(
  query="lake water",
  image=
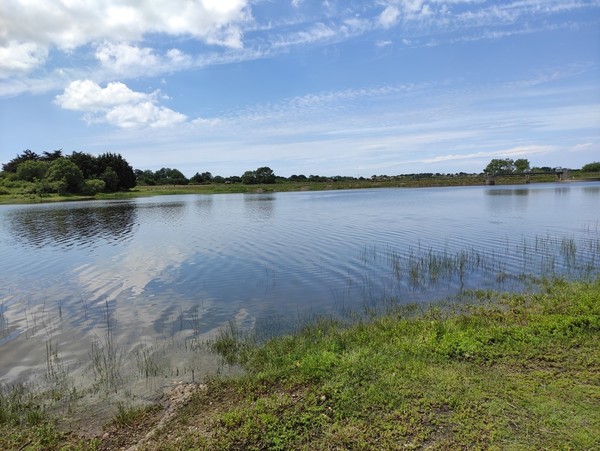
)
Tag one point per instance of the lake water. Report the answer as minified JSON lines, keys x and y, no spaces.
{"x":141,"y":277}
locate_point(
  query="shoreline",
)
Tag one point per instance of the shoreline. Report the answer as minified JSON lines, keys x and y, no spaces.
{"x":478,"y":374}
{"x":164,"y":190}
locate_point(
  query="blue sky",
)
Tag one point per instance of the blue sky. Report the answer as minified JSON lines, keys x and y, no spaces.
{"x":304,"y":87}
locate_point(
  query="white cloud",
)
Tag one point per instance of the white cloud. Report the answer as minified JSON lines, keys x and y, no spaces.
{"x":33,"y":27}
{"x":519,"y":151}
{"x":384,"y":43}
{"x":130,"y":60}
{"x":18,"y":58}
{"x":584,"y":147}
{"x":86,"y":95}
{"x":123,"y":57}
{"x":412,"y":6}
{"x":318,"y":32}
{"x":118,"y":105}
{"x":143,"y":114}
{"x":389,"y":16}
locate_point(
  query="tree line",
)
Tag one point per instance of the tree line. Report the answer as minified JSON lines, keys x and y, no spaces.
{"x":78,"y":173}
{"x":522,"y":166}
{"x":83,"y":173}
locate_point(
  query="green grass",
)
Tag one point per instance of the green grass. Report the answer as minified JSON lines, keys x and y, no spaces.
{"x":495,"y":371}
{"x":507,"y":372}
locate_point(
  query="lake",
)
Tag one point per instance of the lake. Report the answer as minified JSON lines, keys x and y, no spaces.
{"x":138,"y":281}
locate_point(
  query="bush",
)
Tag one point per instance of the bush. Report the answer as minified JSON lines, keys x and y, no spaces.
{"x":31,"y":170}
{"x":93,"y":187}
{"x":65,"y":176}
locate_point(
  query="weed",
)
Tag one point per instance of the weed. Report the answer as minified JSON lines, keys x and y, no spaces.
{"x":129,"y":415}
{"x":147,"y":363}
{"x":106,"y":356}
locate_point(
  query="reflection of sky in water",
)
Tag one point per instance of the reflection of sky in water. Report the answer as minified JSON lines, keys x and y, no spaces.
{"x":187,"y":264}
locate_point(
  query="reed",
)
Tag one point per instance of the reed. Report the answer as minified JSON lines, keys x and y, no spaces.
{"x":107,"y":356}
{"x":147,"y":363}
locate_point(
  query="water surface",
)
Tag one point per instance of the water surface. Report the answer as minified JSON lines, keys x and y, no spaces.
{"x":173,"y":268}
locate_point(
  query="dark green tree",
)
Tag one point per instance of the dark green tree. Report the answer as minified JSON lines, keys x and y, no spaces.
{"x":205,"y":177}
{"x":521,"y":165}
{"x":65,"y":176}
{"x":249,"y":178}
{"x":118,"y":164}
{"x":31,"y":170}
{"x":51,"y":156}
{"x":145,"y":177}
{"x":12,"y":165}
{"x":92,"y":187}
{"x":591,"y":167}
{"x":499,"y":166}
{"x":233,"y":179}
{"x":169,"y":176}
{"x":265,"y":175}
{"x":87,"y":163}
{"x":110,"y":179}
{"x":298,"y":178}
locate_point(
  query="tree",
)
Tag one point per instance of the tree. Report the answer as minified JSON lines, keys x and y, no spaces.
{"x":168,"y":176}
{"x":498,"y":166}
{"x":265,"y":175}
{"x":64,"y":176}
{"x":125,"y":174}
{"x":110,"y":179}
{"x":12,"y":165}
{"x":93,"y":186}
{"x":521,"y":165}
{"x":261,"y":175}
{"x":87,"y":163}
{"x":233,"y":179}
{"x":51,"y":156}
{"x":591,"y":167}
{"x":31,"y":170}
{"x":249,"y":178}
{"x":205,"y":177}
{"x":145,"y":177}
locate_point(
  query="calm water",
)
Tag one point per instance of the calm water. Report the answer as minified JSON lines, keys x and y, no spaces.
{"x":168,"y":269}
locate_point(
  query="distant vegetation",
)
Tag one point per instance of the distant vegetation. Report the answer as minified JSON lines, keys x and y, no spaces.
{"x":31,"y":174}
{"x":78,"y":173}
{"x":591,"y":167}
{"x":507,"y":165}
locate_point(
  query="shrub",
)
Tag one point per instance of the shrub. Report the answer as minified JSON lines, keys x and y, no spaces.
{"x":93,"y":187}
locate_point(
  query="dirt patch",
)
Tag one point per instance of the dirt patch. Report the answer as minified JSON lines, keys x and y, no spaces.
{"x":141,"y":433}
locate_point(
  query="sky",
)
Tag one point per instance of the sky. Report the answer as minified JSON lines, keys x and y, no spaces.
{"x":324,"y":87}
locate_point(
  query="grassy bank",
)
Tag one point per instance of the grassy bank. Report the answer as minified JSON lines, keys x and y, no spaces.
{"x":518,"y":371}
{"x":20,"y":193}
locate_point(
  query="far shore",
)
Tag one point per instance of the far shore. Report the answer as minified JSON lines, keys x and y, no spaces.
{"x":291,"y":186}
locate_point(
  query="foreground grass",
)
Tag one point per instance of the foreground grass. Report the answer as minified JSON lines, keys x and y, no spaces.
{"x":518,"y":371}
{"x":507,"y":372}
